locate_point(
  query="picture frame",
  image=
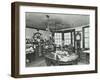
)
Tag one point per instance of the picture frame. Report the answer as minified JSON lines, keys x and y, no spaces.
{"x":19,"y":12}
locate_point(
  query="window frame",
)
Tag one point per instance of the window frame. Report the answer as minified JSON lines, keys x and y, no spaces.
{"x":66,"y":31}
{"x":83,"y":30}
{"x":71,"y":30}
{"x":57,"y":32}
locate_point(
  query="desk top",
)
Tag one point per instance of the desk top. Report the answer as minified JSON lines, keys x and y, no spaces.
{"x":64,"y":58}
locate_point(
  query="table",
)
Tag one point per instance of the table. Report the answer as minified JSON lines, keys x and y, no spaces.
{"x":53,"y":59}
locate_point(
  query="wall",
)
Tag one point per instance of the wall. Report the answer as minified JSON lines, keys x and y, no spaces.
{"x":29,"y":33}
{"x":5,"y":40}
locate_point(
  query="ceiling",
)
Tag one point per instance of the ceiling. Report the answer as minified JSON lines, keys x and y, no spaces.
{"x":55,"y":21}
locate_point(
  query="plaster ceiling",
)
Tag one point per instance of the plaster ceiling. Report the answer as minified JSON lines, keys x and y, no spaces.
{"x":61,"y":21}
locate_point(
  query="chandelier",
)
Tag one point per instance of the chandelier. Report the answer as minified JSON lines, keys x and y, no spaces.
{"x":48,"y":32}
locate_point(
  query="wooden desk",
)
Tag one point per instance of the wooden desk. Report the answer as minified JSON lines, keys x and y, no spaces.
{"x":52,"y":59}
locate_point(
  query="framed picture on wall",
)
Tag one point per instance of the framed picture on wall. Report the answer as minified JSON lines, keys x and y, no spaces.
{"x":53,"y":39}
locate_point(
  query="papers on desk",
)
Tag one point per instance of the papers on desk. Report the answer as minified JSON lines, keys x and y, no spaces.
{"x":64,"y":56}
{"x":68,"y":58}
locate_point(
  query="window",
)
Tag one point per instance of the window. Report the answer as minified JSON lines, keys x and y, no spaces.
{"x":58,"y":38}
{"x":67,"y":38}
{"x":73,"y":36}
{"x":86,"y":37}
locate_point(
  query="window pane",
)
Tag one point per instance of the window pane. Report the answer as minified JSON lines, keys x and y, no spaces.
{"x":67,"y":35}
{"x":86,"y":40}
{"x":86,"y":34}
{"x":86,"y":45}
{"x":86,"y":29}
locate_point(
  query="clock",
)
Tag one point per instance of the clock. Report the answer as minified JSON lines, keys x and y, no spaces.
{"x":37,"y":37}
{"x":78,"y":36}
